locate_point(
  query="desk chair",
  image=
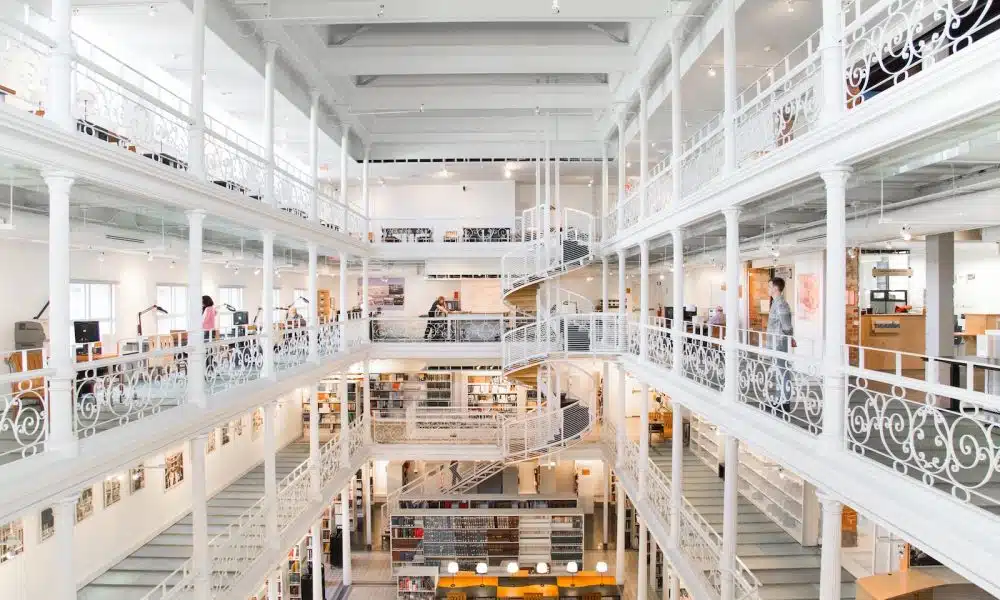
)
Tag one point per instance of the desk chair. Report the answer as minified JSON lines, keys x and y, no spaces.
{"x":31,"y":389}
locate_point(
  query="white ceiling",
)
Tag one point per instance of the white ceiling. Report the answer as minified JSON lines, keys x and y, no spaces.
{"x":438,"y":78}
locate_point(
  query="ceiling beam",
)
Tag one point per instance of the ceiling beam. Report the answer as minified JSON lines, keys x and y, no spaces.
{"x":415,"y":147}
{"x":544,"y":98}
{"x":472,"y":59}
{"x":448,"y":11}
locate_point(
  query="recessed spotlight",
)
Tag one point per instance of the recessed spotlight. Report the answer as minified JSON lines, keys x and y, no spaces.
{"x":589,"y":279}
{"x":711,"y":71}
{"x":662,"y":276}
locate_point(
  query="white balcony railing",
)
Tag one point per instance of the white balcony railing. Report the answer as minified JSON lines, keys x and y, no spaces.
{"x":558,"y":252}
{"x":429,"y":425}
{"x":445,"y":230}
{"x":456,"y":328}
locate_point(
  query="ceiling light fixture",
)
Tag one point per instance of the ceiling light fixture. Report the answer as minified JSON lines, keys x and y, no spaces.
{"x":905,"y":233}
{"x":888,"y":244}
{"x":711,"y":71}
{"x":152,"y":10}
{"x":381,"y":10}
{"x":173,"y":264}
{"x":590,"y":183}
{"x":506,"y":173}
{"x":791,"y":8}
{"x":628,"y":164}
{"x":100,"y":257}
{"x":555,"y":7}
{"x":256,"y":271}
{"x":149,"y":255}
{"x":421,"y":107}
{"x":851,"y":252}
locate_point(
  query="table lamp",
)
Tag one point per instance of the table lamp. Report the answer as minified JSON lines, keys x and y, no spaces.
{"x":453,"y":571}
{"x":541,"y":568}
{"x":572,"y":568}
{"x":512,"y":567}
{"x":602,"y":568}
{"x":481,"y":569}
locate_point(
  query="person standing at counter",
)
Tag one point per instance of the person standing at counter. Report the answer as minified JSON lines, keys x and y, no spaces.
{"x":435,"y":329}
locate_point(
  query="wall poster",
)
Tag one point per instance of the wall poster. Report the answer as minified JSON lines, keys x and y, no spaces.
{"x":807,"y":292}
{"x":386,"y":293}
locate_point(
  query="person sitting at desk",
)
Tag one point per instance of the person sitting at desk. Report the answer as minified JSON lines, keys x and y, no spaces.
{"x":294,"y":320}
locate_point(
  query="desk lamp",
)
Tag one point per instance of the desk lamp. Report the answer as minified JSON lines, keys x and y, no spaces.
{"x":602,"y":568}
{"x":572,"y":568}
{"x":155,"y":307}
{"x":481,"y":569}
{"x":541,"y":568}
{"x":512,"y":567}
{"x":453,"y":571}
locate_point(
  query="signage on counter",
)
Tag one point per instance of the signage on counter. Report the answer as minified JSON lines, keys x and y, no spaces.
{"x":886,"y":272}
{"x":885,"y":325}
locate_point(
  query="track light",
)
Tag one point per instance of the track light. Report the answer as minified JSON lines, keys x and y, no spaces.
{"x":100,"y":257}
{"x":152,"y":10}
{"x":555,"y":7}
{"x":173,"y":264}
{"x":711,"y":71}
{"x":775,"y":251}
{"x":381,"y":10}
{"x":905,"y":233}
{"x":149,"y":255}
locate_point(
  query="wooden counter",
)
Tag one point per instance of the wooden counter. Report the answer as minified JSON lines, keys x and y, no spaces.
{"x":912,"y":584}
{"x":896,"y":332}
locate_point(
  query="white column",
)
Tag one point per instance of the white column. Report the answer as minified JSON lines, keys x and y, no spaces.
{"x":730,"y":502}
{"x":643,"y":436}
{"x":343,"y":300}
{"x":607,"y":483}
{"x":364,"y":295}
{"x":366,"y":491}
{"x":316,"y":477}
{"x":605,"y":193}
{"x":604,"y":297}
{"x":620,"y":419}
{"x":606,"y":391}
{"x":196,"y":336}
{"x":344,"y":416}
{"x":547,"y":208}
{"x":676,"y":473}
{"x":620,"y":531}
{"x":676,"y":121}
{"x":367,"y":394}
{"x":831,"y":34}
{"x":677,"y":325}
{"x":313,"y":306}
{"x":271,"y":474}
{"x":643,"y":297}
{"x":642,"y":580}
{"x":622,"y":176}
{"x":62,"y":434}
{"x":62,"y":585}
{"x":318,"y":584}
{"x":732,"y":389}
{"x":940,"y":301}
{"x":675,"y":584}
{"x":558,"y":197}
{"x":59,"y":99}
{"x":834,"y":393}
{"x":365,"y":192}
{"x":643,"y":149}
{"x":270,"y":50}
{"x":199,"y":517}
{"x":345,"y":519}
{"x":622,"y":314}
{"x":345,"y":141}
{"x":729,"y":82}
{"x":829,"y":569}
{"x":272,"y":582}
{"x":314,"y":96}
{"x":196,"y":131}
{"x":267,"y":308}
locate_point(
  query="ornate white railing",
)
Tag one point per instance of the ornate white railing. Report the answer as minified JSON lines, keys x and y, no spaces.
{"x":631,"y":209}
{"x":660,"y":190}
{"x":233,"y":161}
{"x":24,"y":400}
{"x":892,"y":40}
{"x":293,"y":195}
{"x":429,"y":425}
{"x":703,"y":157}
{"x":703,"y":358}
{"x":782,"y":105}
{"x":443,"y":230}
{"x":451,"y":328}
{"x":24,"y":63}
{"x":945,"y":436}
{"x":232,"y":361}
{"x":570,"y":247}
{"x":592,"y":333}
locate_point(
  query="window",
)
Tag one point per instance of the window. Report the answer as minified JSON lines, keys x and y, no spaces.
{"x":93,"y":301}
{"x":277,"y":314}
{"x":233,"y":296}
{"x":173,"y":299}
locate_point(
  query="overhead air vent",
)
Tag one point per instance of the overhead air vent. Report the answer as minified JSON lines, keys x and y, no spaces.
{"x":122,"y":238}
{"x":811,"y":238}
{"x":457,"y":276}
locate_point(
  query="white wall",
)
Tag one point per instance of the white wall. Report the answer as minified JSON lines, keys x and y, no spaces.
{"x":480,"y":202}
{"x":110,"y":534}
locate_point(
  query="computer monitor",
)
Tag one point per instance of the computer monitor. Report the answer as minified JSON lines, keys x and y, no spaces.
{"x":452,"y":305}
{"x":241,"y":317}
{"x":87,"y":332}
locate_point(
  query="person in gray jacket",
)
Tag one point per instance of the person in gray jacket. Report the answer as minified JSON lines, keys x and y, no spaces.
{"x":779,"y":337}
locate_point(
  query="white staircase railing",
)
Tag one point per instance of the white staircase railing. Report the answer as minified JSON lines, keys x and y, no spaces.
{"x":590,"y":333}
{"x":558,"y":251}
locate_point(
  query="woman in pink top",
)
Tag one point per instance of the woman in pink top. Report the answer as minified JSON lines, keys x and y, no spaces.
{"x":208,"y":316}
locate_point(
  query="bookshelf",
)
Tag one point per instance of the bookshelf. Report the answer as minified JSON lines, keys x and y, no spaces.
{"x":496,"y":530}
{"x":778,"y":493}
{"x":324,"y":305}
{"x":294,"y":586}
{"x":328,"y":405}
{"x":416,"y":583}
{"x":395,"y":390}
{"x":489,"y":393}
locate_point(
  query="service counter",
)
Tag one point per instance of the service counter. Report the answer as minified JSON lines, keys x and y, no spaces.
{"x":893,"y":333}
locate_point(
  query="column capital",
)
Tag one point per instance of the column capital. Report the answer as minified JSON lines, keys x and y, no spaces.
{"x":197,"y":214}
{"x":644,"y":246}
{"x":832,"y":503}
{"x":836,"y":175}
{"x":368,"y":151}
{"x":604,"y":261}
{"x":312,"y":247}
{"x":266,"y":233}
{"x":345,"y":129}
{"x":58,"y":175}
{"x":733,"y":212}
{"x":270,"y":50}
{"x":315,"y":95}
